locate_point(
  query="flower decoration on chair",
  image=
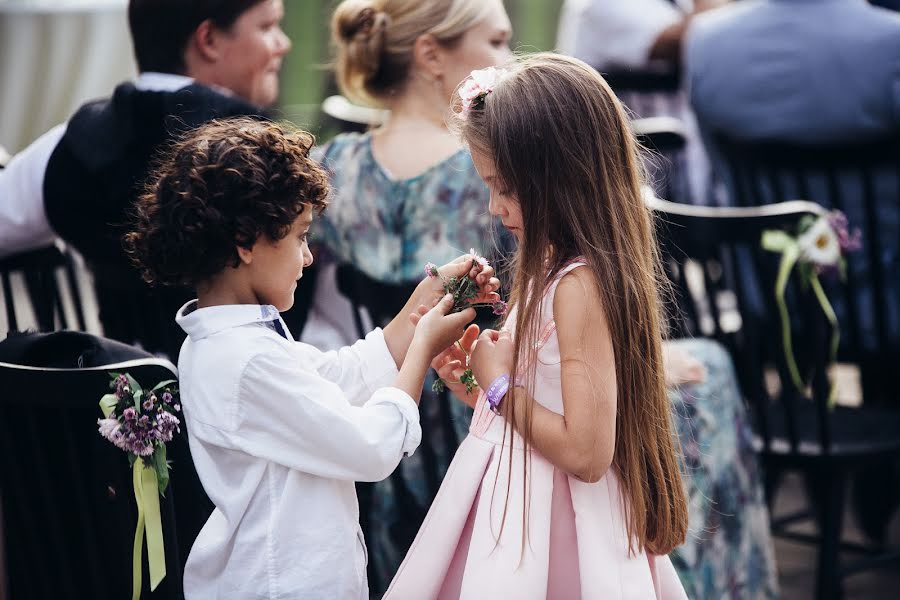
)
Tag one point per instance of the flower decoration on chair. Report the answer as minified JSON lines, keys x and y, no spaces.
{"x":464,"y":290}
{"x":141,"y":423}
{"x":818,"y":248}
{"x":477,"y":87}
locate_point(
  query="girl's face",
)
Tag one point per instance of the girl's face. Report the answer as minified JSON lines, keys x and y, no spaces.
{"x":276,"y":267}
{"x":484,"y":45}
{"x":503,"y":203}
{"x":252,"y":51}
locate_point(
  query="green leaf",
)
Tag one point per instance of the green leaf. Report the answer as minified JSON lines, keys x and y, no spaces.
{"x":135,"y":386}
{"x":438,"y":386}
{"x":163,"y":384}
{"x":107,"y":404}
{"x":162,"y":468}
{"x":131,"y":459}
{"x":777,"y":241}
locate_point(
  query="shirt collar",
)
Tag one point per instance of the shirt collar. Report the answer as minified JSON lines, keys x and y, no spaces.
{"x":199,"y":323}
{"x":152,"y":81}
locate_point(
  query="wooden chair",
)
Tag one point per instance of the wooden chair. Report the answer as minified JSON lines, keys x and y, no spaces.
{"x":46,"y":272}
{"x":722,"y":245}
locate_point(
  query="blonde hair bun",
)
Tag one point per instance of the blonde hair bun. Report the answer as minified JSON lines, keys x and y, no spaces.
{"x":358,"y":29}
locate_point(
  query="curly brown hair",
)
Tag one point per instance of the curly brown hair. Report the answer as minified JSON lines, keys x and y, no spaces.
{"x":220,"y":186}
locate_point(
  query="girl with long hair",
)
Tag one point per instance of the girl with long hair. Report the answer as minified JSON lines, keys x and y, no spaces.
{"x":568,"y":485}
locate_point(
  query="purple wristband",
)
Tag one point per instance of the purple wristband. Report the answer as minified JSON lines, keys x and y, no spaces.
{"x":496,"y":391}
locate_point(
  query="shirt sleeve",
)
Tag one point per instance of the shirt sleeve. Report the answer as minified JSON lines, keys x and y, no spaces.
{"x":294,"y":417}
{"x":616,"y":33}
{"x":23,"y":220}
{"x":360,"y":369}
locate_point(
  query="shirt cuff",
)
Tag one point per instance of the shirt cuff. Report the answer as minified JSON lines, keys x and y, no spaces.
{"x":380,"y":369}
{"x":412,"y":437}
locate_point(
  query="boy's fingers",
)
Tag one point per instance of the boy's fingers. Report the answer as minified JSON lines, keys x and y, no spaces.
{"x":444,"y":304}
{"x":462,"y":317}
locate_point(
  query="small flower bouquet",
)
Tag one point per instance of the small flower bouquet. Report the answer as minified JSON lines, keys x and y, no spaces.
{"x":818,"y":248}
{"x":141,"y":423}
{"x":464,"y":290}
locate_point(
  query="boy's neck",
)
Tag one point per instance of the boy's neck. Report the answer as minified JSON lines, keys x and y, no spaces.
{"x":222,"y":291}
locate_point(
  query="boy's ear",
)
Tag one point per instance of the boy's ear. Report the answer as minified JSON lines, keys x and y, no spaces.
{"x":245,"y":254}
{"x":427,"y":55}
{"x":205,"y":40}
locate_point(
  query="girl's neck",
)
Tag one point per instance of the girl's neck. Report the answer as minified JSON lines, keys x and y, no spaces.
{"x":415,"y":137}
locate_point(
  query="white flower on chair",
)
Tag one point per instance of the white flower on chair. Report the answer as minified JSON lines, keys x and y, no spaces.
{"x":819,"y":244}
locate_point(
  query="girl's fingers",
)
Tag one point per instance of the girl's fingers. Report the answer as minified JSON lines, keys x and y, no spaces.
{"x":469,"y":336}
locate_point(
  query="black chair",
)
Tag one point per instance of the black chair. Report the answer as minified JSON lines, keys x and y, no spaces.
{"x":863,"y":180}
{"x":67,"y":497}
{"x":42,"y":270}
{"x":794,"y":432}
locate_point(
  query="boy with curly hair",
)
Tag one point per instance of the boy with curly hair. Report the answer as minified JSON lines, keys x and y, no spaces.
{"x":279,"y":431}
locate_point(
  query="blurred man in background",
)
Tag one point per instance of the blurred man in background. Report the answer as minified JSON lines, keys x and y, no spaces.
{"x":197,"y":61}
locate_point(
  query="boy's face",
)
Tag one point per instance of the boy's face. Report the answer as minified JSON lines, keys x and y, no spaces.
{"x":252,"y":51}
{"x":277,"y":266}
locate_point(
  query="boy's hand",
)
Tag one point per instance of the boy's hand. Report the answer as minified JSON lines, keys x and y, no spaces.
{"x":437,"y":329}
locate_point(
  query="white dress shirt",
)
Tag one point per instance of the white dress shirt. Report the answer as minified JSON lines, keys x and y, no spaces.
{"x":279,"y":433}
{"x":23,"y":220}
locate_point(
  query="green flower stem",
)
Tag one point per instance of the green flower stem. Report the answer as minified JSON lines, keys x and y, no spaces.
{"x":835,"y":331}
{"x":788,"y":259}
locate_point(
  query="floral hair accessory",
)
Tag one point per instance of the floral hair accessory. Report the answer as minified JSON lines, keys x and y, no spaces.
{"x":141,"y":423}
{"x":476,"y":88}
{"x":818,"y":248}
{"x":464,"y":291}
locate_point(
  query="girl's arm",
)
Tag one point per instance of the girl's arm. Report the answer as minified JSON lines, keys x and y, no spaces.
{"x":580,"y":442}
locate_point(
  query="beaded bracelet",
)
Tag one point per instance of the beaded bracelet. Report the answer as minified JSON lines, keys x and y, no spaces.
{"x":496,"y":391}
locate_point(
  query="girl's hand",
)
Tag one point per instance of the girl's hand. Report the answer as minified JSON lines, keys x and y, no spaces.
{"x":451,"y":364}
{"x":437,"y":329}
{"x":492,"y":356}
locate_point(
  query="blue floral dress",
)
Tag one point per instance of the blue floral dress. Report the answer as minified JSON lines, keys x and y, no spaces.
{"x":388,"y":228}
{"x":728,"y":554}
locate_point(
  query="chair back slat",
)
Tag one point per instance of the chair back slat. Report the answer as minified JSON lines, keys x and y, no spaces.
{"x":45,"y":272}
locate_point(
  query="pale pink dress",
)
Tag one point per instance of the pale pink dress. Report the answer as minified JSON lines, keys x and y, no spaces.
{"x":577,"y":545}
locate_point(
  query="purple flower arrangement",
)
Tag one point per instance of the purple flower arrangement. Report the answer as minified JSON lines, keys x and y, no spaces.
{"x":141,"y":422}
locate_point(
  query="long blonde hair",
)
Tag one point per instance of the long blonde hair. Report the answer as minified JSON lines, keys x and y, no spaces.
{"x":561,"y":144}
{"x":374,"y":40}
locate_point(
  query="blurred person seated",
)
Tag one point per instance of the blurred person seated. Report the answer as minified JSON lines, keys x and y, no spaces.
{"x":796,"y":71}
{"x":197,"y":61}
{"x":643,"y":36}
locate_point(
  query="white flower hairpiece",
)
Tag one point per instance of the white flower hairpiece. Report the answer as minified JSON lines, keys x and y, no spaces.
{"x":477,"y":86}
